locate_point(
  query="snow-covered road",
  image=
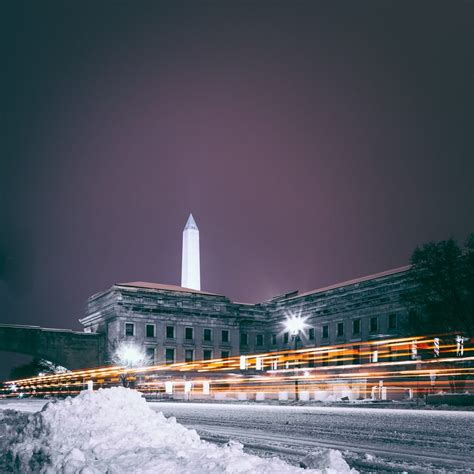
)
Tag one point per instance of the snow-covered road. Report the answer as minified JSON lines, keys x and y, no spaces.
{"x":374,"y":439}
{"x":116,"y":431}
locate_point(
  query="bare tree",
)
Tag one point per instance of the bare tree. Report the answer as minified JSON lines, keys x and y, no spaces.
{"x":442,"y":298}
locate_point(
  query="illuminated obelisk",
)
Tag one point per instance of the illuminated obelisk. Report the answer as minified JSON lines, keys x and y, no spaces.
{"x":190,"y":265}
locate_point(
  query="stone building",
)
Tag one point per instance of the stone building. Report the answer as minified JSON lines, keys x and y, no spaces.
{"x":178,"y":324}
{"x":172,"y":322}
{"x":363,"y":309}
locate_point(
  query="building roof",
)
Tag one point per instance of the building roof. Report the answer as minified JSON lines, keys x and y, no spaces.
{"x":290,"y":295}
{"x":357,"y":280}
{"x":159,"y":286}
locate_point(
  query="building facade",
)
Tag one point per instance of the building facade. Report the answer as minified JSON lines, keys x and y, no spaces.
{"x":177,"y":324}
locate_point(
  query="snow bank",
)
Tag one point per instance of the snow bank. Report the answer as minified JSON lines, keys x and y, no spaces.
{"x":114,"y":430}
{"x":325,"y":460}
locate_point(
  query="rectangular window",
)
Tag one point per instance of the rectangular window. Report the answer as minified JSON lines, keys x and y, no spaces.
{"x":150,"y":330}
{"x":274,"y":339}
{"x":356,"y":326}
{"x":129,"y":329}
{"x":392,"y":321}
{"x":325,"y":331}
{"x":259,"y":339}
{"x":225,"y":335}
{"x":207,"y":335}
{"x":189,"y":334}
{"x":150,"y":354}
{"x":169,"y":355}
{"x":286,"y":337}
{"x":311,"y":334}
{"x":207,"y":354}
{"x":188,"y":355}
{"x":170,"y":332}
{"x":374,"y":324}
{"x":224,"y":354}
{"x":340,"y":329}
{"x":244,"y":338}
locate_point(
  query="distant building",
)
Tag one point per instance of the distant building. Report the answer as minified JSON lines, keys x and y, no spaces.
{"x":178,"y":324}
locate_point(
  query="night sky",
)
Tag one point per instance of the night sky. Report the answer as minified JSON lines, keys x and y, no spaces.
{"x":314,"y":142}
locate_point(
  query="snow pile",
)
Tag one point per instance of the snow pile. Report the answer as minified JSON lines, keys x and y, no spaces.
{"x":114,"y":431}
{"x":48,"y":367}
{"x":326,"y":460}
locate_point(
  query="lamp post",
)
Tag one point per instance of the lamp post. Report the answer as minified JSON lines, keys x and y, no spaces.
{"x":295,"y":325}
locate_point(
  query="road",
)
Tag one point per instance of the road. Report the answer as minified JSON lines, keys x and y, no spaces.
{"x":381,"y":440}
{"x":371,"y":439}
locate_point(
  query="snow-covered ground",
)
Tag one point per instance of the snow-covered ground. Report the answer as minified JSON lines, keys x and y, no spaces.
{"x":29,"y":405}
{"x":371,"y":439}
{"x":116,"y":431}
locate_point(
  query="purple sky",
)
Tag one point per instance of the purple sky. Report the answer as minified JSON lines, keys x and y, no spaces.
{"x":313,"y":142}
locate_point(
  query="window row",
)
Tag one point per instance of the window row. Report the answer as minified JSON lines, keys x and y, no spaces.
{"x":170,"y":332}
{"x":244,"y":339}
{"x":189,"y":354}
{"x":207,"y":334}
{"x":340,"y":328}
{"x":340,"y":331}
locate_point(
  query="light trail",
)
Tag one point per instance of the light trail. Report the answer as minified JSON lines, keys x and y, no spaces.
{"x":415,"y":365}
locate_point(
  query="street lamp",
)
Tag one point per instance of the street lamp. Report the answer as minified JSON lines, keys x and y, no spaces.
{"x":294,"y":325}
{"x":129,"y":356}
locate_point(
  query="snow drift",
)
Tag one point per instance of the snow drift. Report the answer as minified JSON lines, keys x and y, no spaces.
{"x":114,"y":430}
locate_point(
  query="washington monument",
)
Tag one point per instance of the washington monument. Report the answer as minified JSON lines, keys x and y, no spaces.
{"x":190,"y":267}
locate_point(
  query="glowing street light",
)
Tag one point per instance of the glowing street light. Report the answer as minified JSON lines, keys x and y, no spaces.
{"x":129,"y":355}
{"x":295,"y":324}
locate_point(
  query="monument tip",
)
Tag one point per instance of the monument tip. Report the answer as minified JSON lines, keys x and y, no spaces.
{"x":191,"y":223}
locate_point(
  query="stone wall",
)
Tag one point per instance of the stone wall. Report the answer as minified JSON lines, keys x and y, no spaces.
{"x":73,"y":350}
